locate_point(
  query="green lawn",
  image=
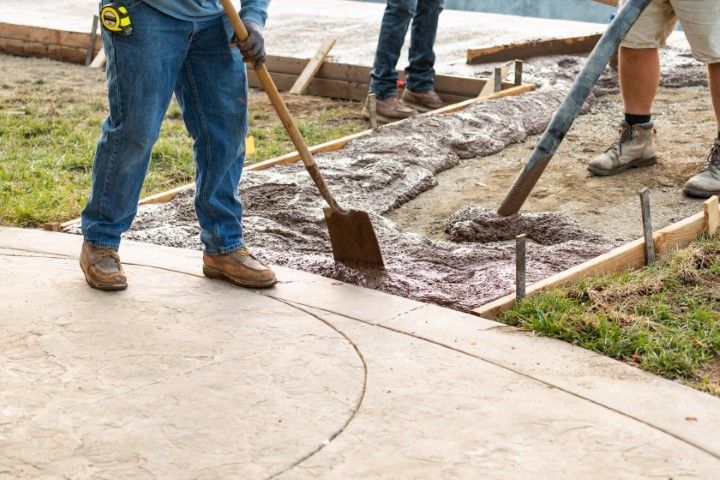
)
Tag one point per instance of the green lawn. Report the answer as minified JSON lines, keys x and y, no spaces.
{"x":48,"y":132}
{"x":664,"y":318}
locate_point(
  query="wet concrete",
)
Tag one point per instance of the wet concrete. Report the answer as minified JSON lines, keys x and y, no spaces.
{"x":284,"y":222}
{"x":283,"y":212}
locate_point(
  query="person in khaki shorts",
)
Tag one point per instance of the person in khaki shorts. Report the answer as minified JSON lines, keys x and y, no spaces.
{"x":640,"y":77}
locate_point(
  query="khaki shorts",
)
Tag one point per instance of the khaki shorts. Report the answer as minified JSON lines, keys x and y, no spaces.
{"x":700,"y":19}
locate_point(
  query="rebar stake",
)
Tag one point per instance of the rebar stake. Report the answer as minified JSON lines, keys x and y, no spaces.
{"x":520,"y":251}
{"x":647,"y":226}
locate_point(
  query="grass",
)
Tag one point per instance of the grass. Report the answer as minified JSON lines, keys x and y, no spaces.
{"x":664,"y":318}
{"x":48,"y":132}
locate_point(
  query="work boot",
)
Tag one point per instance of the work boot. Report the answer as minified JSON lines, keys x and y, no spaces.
{"x":422,"y":101}
{"x":707,"y":183}
{"x":635,"y":148}
{"x":389,"y":110}
{"x":102,"y":268}
{"x":239,"y":267}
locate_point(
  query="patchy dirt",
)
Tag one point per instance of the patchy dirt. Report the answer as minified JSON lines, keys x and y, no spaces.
{"x":608,"y":205}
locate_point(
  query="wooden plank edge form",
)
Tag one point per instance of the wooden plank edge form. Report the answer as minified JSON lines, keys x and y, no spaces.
{"x":626,"y":257}
{"x":331,"y":146}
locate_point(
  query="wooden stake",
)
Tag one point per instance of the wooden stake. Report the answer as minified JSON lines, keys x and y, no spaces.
{"x":711,"y":209}
{"x":312,"y":67}
{"x":520,"y":266}
{"x":91,"y":42}
{"x":647,"y":226}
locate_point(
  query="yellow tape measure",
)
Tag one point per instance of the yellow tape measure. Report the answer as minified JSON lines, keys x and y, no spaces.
{"x":116,"y":19}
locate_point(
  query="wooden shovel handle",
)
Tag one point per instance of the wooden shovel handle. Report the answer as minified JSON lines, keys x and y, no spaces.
{"x":277,"y":102}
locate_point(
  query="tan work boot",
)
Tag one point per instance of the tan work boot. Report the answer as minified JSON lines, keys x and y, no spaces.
{"x":707,"y":183}
{"x":239,"y":267}
{"x":635,"y":148}
{"x":102,"y":268}
{"x":422,"y":101}
{"x":389,"y":110}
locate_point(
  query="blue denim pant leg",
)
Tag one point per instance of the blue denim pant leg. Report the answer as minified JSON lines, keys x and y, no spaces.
{"x":212,"y":92}
{"x":142,"y":70}
{"x":395,"y":23}
{"x":420,"y":74}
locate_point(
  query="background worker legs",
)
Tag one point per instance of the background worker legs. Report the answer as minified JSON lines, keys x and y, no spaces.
{"x":639,"y":79}
{"x":398,"y":15}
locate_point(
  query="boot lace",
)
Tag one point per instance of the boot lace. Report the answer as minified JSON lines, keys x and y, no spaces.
{"x":626,"y":134}
{"x":109,"y":253}
{"x":714,"y":157}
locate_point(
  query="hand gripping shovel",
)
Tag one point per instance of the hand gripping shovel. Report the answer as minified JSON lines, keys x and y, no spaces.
{"x":565,"y":116}
{"x":351,"y":233}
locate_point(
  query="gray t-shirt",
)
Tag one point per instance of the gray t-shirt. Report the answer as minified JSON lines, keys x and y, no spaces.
{"x":193,"y":10}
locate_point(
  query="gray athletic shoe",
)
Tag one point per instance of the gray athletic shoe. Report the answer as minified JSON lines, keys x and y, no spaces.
{"x":634,"y":148}
{"x":707,"y":183}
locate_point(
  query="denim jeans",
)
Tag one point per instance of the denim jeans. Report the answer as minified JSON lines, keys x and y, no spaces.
{"x":420,"y":72}
{"x":192,"y":59}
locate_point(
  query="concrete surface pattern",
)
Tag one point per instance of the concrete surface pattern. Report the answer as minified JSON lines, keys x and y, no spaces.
{"x":183,"y":377}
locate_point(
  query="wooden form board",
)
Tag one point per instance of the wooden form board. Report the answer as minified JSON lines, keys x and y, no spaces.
{"x":351,"y":82}
{"x":337,"y":80}
{"x":533,"y":48}
{"x":626,"y":257}
{"x":59,"y":45}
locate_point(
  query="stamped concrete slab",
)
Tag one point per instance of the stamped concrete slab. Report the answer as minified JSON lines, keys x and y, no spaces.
{"x":183,"y":377}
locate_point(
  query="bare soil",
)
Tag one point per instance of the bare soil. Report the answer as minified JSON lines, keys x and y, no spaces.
{"x":685,"y":126}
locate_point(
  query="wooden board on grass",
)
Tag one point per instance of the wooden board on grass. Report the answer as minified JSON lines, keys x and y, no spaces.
{"x":625,"y":257}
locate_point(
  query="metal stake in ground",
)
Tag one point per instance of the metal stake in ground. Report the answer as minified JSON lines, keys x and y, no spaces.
{"x":564,"y":118}
{"x":372,"y":110}
{"x":647,"y":226}
{"x":520,"y":266}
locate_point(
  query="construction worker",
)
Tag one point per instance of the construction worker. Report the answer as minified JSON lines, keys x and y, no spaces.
{"x":640,"y":77}
{"x":180,"y":47}
{"x":418,"y":93}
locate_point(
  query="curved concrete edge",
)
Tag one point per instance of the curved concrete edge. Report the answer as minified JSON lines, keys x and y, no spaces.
{"x":674,"y":409}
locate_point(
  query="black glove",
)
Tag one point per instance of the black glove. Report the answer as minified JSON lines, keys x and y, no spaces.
{"x":253,"y":48}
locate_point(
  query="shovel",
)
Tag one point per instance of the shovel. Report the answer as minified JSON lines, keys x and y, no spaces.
{"x":571,"y":106}
{"x":351,"y":233}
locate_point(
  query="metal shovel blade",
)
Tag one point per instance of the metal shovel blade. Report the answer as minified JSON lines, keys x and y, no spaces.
{"x":352,"y":237}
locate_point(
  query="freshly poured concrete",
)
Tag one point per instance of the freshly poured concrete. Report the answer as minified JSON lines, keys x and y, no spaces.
{"x":184,"y":377}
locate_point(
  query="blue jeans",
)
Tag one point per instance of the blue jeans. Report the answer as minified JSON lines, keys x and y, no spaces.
{"x":192,"y":59}
{"x":420,"y":73}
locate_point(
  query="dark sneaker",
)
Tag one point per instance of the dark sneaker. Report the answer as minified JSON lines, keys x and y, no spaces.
{"x":389,"y":110}
{"x":423,"y":101}
{"x":635,"y":148}
{"x":102,"y":268}
{"x":707,"y":183}
{"x":239,"y":267}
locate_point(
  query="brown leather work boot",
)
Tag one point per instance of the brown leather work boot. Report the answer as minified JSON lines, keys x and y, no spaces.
{"x":422,"y":101}
{"x":102,"y":268}
{"x":389,"y":109}
{"x":239,"y":267}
